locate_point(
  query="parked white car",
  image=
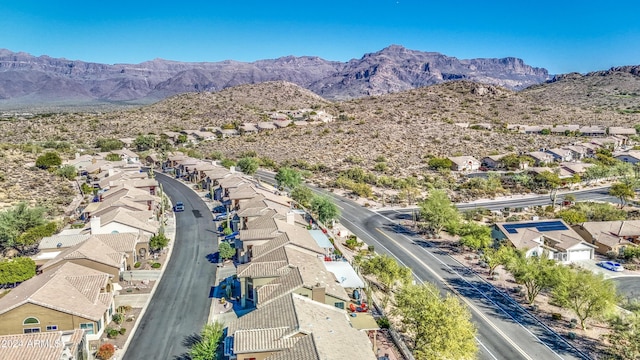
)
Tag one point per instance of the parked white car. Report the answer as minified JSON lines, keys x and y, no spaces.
{"x":611,"y":265}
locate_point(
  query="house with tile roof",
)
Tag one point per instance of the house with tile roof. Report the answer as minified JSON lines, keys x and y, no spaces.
{"x":135,"y":246}
{"x":610,"y":236}
{"x":91,"y":253}
{"x":560,"y":154}
{"x":285,"y":270}
{"x":296,"y":327}
{"x":464,"y":163}
{"x":67,"y":297}
{"x":631,"y":156}
{"x":50,"y":345}
{"x":554,"y":238}
{"x":541,"y":158}
{"x":119,"y":220}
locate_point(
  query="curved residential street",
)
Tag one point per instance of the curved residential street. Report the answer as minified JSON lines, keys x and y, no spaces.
{"x":181,"y":303}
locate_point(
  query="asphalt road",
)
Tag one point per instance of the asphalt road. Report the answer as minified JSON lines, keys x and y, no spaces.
{"x":628,"y":286}
{"x":181,"y":303}
{"x":505,"y":330}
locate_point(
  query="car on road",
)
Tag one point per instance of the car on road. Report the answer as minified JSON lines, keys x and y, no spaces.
{"x":178,"y":207}
{"x":611,"y":265}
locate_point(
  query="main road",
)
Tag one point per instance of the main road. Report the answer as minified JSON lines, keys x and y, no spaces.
{"x":181,"y":303}
{"x":505,"y":329}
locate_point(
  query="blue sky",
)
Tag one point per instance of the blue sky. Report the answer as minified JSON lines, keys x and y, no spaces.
{"x":562,"y":36}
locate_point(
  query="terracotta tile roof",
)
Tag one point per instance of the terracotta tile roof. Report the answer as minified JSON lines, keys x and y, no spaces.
{"x":136,"y":219}
{"x":50,"y":345}
{"x":303,"y":349}
{"x":265,"y":269}
{"x":91,"y":249}
{"x":617,"y":228}
{"x":70,"y":288}
{"x":294,"y":317}
{"x":122,"y":242}
{"x":301,"y":239}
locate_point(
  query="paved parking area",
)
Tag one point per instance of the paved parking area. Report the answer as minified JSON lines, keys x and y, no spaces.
{"x":592,"y":265}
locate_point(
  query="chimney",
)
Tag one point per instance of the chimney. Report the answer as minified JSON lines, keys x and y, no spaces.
{"x":290,"y":218}
{"x":317,"y":293}
{"x":95,"y":224}
{"x":111,"y":172}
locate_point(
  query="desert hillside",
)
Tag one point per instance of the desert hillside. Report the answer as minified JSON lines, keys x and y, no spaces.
{"x":402,"y":127}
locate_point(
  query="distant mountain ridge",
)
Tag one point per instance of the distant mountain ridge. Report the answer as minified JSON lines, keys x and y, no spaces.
{"x":26,"y":79}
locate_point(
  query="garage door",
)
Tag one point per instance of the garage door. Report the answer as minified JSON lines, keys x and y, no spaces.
{"x":580,"y":255}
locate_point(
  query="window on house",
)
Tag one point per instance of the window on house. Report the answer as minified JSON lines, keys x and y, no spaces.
{"x":87,"y":327}
{"x":339,"y":305}
{"x":52,"y":327}
{"x":31,"y":330}
{"x":30,"y":320}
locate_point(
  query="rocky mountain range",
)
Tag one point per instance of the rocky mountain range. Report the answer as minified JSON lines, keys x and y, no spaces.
{"x":26,"y":80}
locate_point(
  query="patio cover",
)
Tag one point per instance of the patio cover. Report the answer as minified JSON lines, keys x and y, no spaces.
{"x":345,"y":274}
{"x":321,"y":239}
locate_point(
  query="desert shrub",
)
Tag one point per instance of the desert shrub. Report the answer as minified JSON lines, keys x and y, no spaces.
{"x":112,"y":333}
{"x":383,"y":322}
{"x":117,"y":318}
{"x":106,"y":351}
{"x":556,"y":316}
{"x":122,"y":331}
{"x":137,"y":264}
{"x":48,"y":160}
{"x":352,"y":242}
{"x":156,"y":265}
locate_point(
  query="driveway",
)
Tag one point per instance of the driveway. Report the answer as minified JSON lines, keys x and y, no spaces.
{"x":592,"y":265}
{"x":181,"y":303}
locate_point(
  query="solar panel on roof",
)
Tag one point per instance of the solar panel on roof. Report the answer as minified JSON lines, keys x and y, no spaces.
{"x":540,"y":226}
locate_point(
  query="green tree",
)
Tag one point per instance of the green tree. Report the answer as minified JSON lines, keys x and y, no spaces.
{"x":109,"y":144}
{"x":158,"y":242}
{"x":440,"y":163}
{"x":182,"y":138}
{"x":288,"y":178}
{"x":144,"y":142}
{"x":388,"y":272}
{"x":536,"y":273}
{"x":30,"y":238}
{"x":48,"y":160}
{"x":475,"y":236}
{"x":588,"y":295}
{"x":437,"y":211}
{"x":302,"y":195}
{"x":18,"y":220}
{"x":226,"y":251}
{"x":112,"y":157}
{"x":623,"y":192}
{"x":209,"y":345}
{"x":625,"y":337}
{"x":228,"y":163}
{"x":16,"y":270}
{"x":325,"y":208}
{"x":68,"y":172}
{"x":550,"y":181}
{"x":572,"y":216}
{"x":248,"y":165}
{"x":440,"y":328}
{"x":503,"y":255}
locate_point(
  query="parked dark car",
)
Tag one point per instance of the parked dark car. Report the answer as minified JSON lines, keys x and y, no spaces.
{"x":219,"y":209}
